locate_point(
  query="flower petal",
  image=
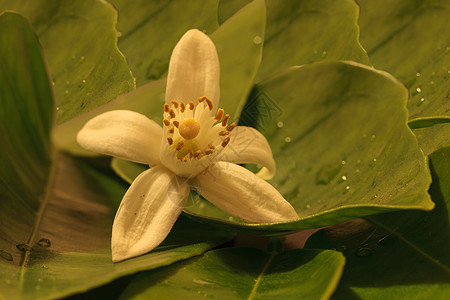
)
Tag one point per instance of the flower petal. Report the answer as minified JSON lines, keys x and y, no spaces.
{"x":194,"y":69}
{"x":248,"y":146}
{"x":147,"y":213}
{"x":241,"y":193}
{"x":124,"y":134}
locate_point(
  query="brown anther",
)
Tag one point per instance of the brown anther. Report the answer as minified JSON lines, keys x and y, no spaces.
{"x":190,"y":152}
{"x":171,"y":130}
{"x":231,"y":127}
{"x":210,"y":104}
{"x":201,"y":99}
{"x":219,"y":114}
{"x":225,"y":141}
{"x":172,"y":113}
{"x":176,"y":124}
{"x":166,"y":107}
{"x":191,"y":105}
{"x":225,"y":120}
{"x":183,"y":159}
{"x":170,"y":141}
{"x":223,"y":132}
{"x":166,"y":122}
{"x":211,"y":147}
{"x":182,"y":107}
{"x":197,"y":153}
{"x":174,"y":103}
{"x":209,"y":151}
{"x":179,"y":146}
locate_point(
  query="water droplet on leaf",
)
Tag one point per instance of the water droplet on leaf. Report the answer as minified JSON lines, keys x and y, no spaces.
{"x":364,"y":252}
{"x":257,"y":40}
{"x":6,"y":255}
{"x":287,"y":139}
{"x":82,"y":59}
{"x":44,"y":242}
{"x":24,"y":247}
{"x":280,"y":124}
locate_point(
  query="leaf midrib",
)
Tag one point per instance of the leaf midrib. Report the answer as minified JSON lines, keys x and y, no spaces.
{"x":40,"y":213}
{"x":263,"y":272}
{"x":410,"y":244}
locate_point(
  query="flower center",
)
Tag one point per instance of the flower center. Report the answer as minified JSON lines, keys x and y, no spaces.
{"x":189,"y":128}
{"x":193,"y":131}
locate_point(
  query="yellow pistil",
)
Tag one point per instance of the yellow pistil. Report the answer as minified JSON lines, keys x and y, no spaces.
{"x":189,"y":128}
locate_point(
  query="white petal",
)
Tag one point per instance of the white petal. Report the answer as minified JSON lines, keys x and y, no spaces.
{"x":147,"y":213}
{"x":248,"y":146}
{"x":241,"y":193}
{"x":194,"y":69}
{"x":124,"y":134}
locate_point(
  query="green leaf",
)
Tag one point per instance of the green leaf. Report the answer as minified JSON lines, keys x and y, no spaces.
{"x":147,"y":99}
{"x":149,"y":31}
{"x":302,"y":32}
{"x":397,"y":255}
{"x":26,"y":101}
{"x":56,"y":213}
{"x":427,"y":122}
{"x":79,"y":39}
{"x":239,"y":58}
{"x":343,"y":149}
{"x":432,"y":138}
{"x":244,"y":273}
{"x":239,"y":43}
{"x":406,"y":39}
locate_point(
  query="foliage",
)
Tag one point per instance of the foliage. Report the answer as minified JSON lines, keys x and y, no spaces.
{"x":352,"y":97}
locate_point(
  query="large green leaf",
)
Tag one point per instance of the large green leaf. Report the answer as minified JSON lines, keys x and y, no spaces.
{"x":149,"y":31}
{"x":342,"y":146}
{"x":244,"y":273}
{"x":239,"y":58}
{"x":79,"y":39}
{"x":56,"y":213}
{"x":302,"y":32}
{"x":398,"y":255}
{"x":407,"y":38}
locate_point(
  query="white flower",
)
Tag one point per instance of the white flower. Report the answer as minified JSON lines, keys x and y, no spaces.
{"x":196,"y":147}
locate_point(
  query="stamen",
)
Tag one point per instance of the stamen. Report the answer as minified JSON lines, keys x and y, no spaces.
{"x":224,"y":132}
{"x":166,"y":122}
{"x":211,"y":147}
{"x":183,"y":159}
{"x":172,"y":113}
{"x":225,"y":120}
{"x":209,"y":151}
{"x":231,"y":127}
{"x":197,"y":153}
{"x":176,"y":124}
{"x":201,"y":99}
{"x":210,"y":104}
{"x":225,"y":141}
{"x":191,"y":105}
{"x":182,"y":107}
{"x":174,"y":103}
{"x":171,"y":130}
{"x":219,"y":114}
{"x":166,"y":107}
{"x":179,"y":146}
{"x":170,"y":141}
